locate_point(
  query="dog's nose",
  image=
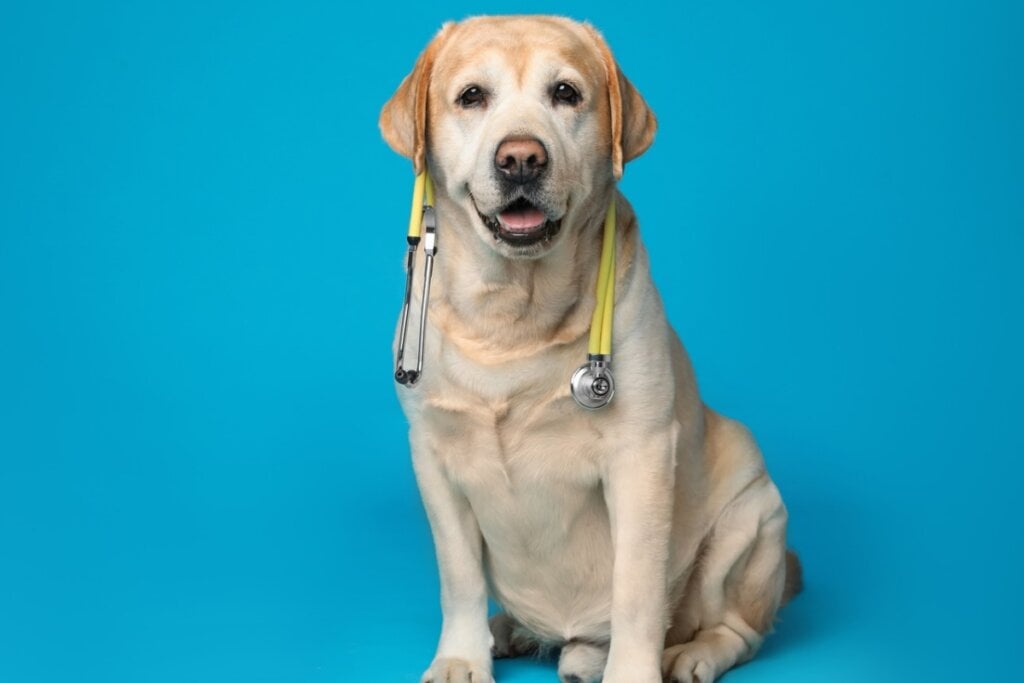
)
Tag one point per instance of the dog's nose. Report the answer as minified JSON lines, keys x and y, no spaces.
{"x":520,"y":159}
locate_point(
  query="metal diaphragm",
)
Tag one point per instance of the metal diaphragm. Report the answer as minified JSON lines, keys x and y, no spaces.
{"x":592,"y":385}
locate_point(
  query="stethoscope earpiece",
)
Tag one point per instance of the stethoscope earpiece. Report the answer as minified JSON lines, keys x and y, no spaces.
{"x":592,"y":385}
{"x":422,"y":224}
{"x":407,"y":377}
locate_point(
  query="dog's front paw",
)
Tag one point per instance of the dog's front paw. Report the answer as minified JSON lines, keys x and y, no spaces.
{"x":452,"y":670}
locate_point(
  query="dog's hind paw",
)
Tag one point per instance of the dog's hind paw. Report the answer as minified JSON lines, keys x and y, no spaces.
{"x":688,"y":664}
{"x":582,"y":662}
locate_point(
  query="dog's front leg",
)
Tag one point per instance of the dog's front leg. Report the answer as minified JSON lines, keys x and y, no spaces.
{"x":638,"y":492}
{"x":464,"y":649}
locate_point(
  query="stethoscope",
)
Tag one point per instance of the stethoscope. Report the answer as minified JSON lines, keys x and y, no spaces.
{"x":592,"y":385}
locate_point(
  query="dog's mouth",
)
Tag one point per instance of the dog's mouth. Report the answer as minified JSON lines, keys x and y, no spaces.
{"x":521,"y":224}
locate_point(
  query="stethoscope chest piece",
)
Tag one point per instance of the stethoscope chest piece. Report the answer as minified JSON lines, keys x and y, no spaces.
{"x":592,"y":385}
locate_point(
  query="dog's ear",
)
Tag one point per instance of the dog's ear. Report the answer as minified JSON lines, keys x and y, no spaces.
{"x":632,"y":121}
{"x":403,"y":119}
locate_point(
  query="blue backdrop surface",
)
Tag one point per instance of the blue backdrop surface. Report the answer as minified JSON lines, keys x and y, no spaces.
{"x":204,"y":473}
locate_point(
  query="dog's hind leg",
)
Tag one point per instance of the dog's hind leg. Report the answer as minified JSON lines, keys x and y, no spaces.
{"x":511,"y":639}
{"x":582,"y":662}
{"x":739,"y":587}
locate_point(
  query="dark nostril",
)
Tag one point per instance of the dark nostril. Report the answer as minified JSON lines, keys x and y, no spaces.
{"x":521,"y":159}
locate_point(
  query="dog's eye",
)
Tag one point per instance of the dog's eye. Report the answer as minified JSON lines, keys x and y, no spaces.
{"x":473,"y":96}
{"x":566,"y":94}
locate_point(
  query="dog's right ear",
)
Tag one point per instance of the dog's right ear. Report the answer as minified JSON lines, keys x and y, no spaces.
{"x":403,"y":120}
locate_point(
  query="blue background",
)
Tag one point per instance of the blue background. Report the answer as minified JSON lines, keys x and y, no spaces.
{"x":203,"y":468}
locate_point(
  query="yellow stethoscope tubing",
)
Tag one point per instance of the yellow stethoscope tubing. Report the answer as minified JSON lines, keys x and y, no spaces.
{"x":423,"y":187}
{"x":600,"y":342}
{"x":601,"y":322}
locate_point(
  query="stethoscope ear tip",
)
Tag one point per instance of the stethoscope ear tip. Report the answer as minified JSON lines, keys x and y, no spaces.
{"x":406,"y":377}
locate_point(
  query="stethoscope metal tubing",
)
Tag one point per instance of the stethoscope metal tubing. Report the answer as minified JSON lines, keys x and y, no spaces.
{"x":429,"y":249}
{"x":410,"y":267}
{"x":403,"y":376}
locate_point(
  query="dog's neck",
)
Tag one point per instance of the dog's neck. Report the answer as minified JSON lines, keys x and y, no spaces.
{"x":496,"y":309}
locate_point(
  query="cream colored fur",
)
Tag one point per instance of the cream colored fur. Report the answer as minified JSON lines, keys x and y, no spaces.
{"x":644,"y":539}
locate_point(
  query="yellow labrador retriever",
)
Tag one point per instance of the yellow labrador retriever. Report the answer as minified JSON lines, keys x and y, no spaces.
{"x":645,"y":539}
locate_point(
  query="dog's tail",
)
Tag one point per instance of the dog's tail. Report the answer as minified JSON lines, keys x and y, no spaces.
{"x":794,"y":577}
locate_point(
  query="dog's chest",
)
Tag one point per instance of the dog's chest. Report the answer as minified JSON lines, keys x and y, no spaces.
{"x":514,"y":450}
{"x":531,"y":470}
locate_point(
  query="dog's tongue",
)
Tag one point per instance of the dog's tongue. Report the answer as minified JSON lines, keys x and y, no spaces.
{"x":522,"y":220}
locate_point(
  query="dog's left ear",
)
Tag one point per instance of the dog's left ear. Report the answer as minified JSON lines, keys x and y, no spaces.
{"x":632,"y":121}
{"x":403,"y":119}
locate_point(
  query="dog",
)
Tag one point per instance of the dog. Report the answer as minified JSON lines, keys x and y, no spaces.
{"x":645,"y":539}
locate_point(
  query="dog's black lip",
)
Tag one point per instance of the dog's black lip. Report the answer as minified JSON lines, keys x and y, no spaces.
{"x":545,"y":233}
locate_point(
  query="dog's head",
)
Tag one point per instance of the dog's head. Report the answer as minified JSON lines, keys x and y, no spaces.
{"x":523,"y":120}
